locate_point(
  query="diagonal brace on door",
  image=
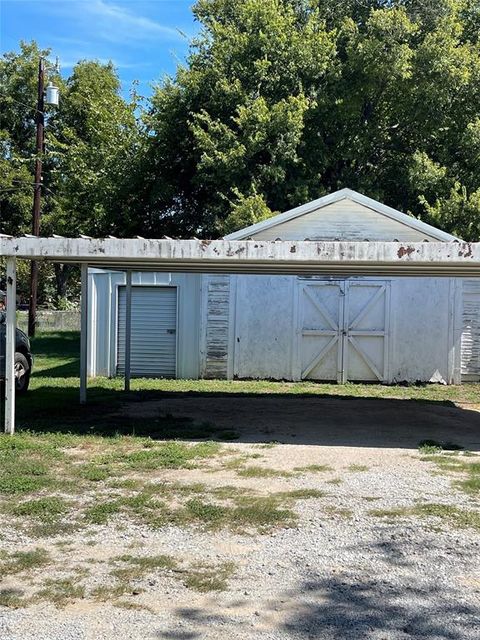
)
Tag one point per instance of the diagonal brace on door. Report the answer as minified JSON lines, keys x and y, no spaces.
{"x":320,"y":308}
{"x":319,"y":356}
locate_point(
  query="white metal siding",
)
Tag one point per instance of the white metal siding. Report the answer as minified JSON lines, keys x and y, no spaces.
{"x":471,"y":331}
{"x":154,"y":327}
{"x":343,"y":220}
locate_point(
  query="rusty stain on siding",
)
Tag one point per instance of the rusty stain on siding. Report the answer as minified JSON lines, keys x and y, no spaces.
{"x":405,"y":251}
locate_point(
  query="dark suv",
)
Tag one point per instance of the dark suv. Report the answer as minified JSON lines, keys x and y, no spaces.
{"x":23,"y":357}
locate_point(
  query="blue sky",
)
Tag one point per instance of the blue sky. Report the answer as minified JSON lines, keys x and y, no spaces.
{"x":145,"y":39}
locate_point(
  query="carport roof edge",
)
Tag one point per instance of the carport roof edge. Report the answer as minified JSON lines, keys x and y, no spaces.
{"x":254,"y":256}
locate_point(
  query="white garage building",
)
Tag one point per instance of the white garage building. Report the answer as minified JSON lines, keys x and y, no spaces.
{"x":359,"y":328}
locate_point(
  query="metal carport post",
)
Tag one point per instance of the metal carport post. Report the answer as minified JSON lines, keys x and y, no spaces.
{"x":10,"y":345}
{"x":83,"y":333}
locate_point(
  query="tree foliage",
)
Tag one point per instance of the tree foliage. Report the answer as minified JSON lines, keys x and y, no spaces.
{"x":291,"y":99}
{"x":90,"y":142}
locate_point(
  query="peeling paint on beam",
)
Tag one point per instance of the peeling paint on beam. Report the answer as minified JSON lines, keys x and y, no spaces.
{"x":286,"y":257}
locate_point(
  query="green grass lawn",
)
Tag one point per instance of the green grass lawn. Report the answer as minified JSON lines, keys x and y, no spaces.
{"x":52,"y":402}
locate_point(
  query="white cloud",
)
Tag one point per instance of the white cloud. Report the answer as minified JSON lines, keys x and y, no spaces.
{"x":115,"y":23}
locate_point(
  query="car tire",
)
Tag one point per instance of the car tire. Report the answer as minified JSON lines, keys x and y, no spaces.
{"x":22,"y":373}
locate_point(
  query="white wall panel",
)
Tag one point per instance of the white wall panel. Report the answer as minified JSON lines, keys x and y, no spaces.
{"x":264,"y":327}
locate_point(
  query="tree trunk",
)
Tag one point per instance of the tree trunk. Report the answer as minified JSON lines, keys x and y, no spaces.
{"x":62,"y":271}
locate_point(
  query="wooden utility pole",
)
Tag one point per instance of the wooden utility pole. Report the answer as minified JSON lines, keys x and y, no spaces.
{"x":37,"y":193}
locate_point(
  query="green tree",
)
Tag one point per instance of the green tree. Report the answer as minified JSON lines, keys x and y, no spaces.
{"x":91,"y":143}
{"x":290,"y":99}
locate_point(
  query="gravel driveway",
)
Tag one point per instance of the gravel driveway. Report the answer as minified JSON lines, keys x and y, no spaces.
{"x":350,"y":568}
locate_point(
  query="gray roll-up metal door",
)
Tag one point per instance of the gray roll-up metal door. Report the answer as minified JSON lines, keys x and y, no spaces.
{"x":154,"y":328}
{"x":470,"y":350}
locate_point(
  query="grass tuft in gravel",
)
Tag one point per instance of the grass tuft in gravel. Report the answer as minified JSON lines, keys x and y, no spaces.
{"x":94,"y":472}
{"x":313,"y":468}
{"x":46,"y":509}
{"x":135,"y":567}
{"x":469,"y":481}
{"x":301,"y":494}
{"x":260,"y":513}
{"x":23,"y":561}
{"x":12,"y":598}
{"x":357,"y":468}
{"x":338,"y":512}
{"x":204,"y":577}
{"x":335,"y":481}
{"x":167,"y":455}
{"x":61,"y":591}
{"x":262,"y":472}
{"x":453,"y":516}
{"x":427,"y":447}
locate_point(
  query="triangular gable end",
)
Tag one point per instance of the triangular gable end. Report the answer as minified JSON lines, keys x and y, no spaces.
{"x":343,"y":215}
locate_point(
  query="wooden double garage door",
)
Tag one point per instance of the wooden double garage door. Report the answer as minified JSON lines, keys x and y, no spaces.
{"x":344,"y":330}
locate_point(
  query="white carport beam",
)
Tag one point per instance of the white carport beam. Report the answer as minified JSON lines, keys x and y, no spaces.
{"x":256,"y":256}
{"x":83,"y":333}
{"x":10,"y":335}
{"x":128,"y":329}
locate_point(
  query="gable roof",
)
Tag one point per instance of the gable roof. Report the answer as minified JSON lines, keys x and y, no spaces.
{"x":354,"y":196}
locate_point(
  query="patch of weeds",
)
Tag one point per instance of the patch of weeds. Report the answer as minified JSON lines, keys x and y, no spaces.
{"x":234,"y":463}
{"x":12,"y":598}
{"x":141,"y":506}
{"x":340,"y":512}
{"x":370,"y":498}
{"x":207,"y":512}
{"x":138,"y":566}
{"x":129,"y":568}
{"x":94,"y":473}
{"x":22,"y":475}
{"x":168,"y":455}
{"x":183,"y":489}
{"x":428,"y":447}
{"x":101,"y":512}
{"x":52,"y":528}
{"x":357,"y":468}
{"x":336,"y":481}
{"x":262,"y":472}
{"x":453,"y":516}
{"x":24,"y":561}
{"x":124,"y":483}
{"x":268,"y":445}
{"x":301,"y":494}
{"x":313,"y":468}
{"x":61,"y":591}
{"x":260,"y":513}
{"x":229,"y":492}
{"x":470,"y":485}
{"x":204,"y":578}
{"x":106,"y":593}
{"x":134,"y":606}
{"x":45,"y":509}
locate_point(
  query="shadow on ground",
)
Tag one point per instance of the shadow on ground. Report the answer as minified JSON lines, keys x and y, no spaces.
{"x":347,"y":606}
{"x":286,"y":418}
{"x":302,"y":418}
